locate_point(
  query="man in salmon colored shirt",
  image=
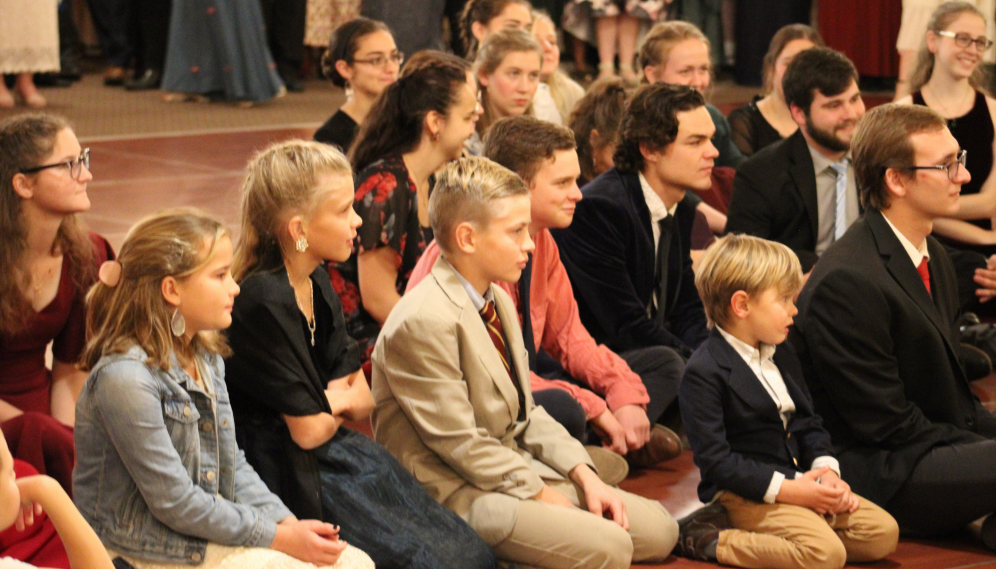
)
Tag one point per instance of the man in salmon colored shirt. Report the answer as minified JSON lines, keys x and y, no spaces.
{"x":617,"y":394}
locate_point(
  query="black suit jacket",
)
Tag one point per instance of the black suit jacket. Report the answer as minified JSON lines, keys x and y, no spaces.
{"x":733,"y":425}
{"x":774,"y":197}
{"x":880,"y":357}
{"x":608,"y":251}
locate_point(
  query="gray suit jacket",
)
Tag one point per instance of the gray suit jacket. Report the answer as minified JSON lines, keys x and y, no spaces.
{"x":449,"y":412}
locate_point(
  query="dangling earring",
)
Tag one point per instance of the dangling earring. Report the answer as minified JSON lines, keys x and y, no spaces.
{"x":178,"y":324}
{"x":302,"y":244}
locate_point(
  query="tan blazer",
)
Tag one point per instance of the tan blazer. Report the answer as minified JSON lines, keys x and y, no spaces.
{"x":448,"y":411}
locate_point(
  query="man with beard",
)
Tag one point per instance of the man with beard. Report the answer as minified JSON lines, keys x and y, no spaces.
{"x":801,"y":191}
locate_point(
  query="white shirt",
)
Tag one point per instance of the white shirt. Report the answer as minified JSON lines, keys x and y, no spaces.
{"x":761,"y":363}
{"x":544,"y":107}
{"x":475,"y":297}
{"x":917,"y":254}
{"x":658,"y":211}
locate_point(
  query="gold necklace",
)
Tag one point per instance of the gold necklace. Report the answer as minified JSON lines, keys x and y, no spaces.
{"x":37,"y":282}
{"x":947,"y":112}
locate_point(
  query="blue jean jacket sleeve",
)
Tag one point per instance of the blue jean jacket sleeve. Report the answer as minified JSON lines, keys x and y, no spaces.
{"x":130,"y":405}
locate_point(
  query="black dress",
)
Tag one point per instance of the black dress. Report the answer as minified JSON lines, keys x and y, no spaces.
{"x":387,"y":201}
{"x":350,"y":480}
{"x":340,"y":130}
{"x":749,"y":129}
{"x":974,"y":133}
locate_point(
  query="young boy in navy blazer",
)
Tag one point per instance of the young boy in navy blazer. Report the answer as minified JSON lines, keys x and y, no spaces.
{"x":763,"y":452}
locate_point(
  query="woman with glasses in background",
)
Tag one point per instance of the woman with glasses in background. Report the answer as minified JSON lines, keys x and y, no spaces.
{"x":49,"y":261}
{"x":363,"y":60}
{"x":946,"y":78}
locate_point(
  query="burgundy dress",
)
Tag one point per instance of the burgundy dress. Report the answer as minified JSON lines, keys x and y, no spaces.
{"x":25,"y":382}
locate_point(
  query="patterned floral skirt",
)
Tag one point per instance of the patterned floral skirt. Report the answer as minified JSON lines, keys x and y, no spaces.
{"x":651,"y":10}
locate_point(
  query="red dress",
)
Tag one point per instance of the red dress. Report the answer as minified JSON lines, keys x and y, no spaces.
{"x":25,"y":382}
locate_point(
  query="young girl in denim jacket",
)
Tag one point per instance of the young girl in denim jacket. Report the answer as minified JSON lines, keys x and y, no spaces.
{"x":159,"y":476}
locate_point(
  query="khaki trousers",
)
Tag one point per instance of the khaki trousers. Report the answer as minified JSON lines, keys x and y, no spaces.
{"x":554,"y":537}
{"x":777,"y":536}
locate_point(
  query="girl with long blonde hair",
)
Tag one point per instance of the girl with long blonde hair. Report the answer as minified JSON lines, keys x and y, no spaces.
{"x":296,"y":374}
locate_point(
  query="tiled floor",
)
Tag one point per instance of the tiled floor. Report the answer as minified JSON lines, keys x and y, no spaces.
{"x":137,"y":176}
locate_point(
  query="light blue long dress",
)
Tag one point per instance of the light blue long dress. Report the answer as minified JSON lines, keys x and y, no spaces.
{"x":217,"y":48}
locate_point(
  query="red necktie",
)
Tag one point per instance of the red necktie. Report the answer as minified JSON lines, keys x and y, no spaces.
{"x":924,"y":273}
{"x":493,"y":324}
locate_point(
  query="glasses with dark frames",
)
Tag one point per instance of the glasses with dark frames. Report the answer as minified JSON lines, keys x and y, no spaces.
{"x":952,"y":167}
{"x":965,"y":40}
{"x":75,"y":166}
{"x":381,"y":60}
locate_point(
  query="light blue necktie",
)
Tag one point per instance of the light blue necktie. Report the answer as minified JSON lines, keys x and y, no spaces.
{"x":840,"y":221}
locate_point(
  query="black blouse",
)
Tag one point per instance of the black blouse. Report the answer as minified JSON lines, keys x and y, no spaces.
{"x":340,"y":130}
{"x":750,"y":131}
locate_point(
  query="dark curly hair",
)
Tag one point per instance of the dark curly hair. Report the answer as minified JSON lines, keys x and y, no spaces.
{"x":652,"y":119}
{"x":818,"y":69}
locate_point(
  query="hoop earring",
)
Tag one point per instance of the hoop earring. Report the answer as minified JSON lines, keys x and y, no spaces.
{"x":177,"y":324}
{"x":302,"y":244}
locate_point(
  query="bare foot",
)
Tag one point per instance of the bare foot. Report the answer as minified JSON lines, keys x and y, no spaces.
{"x":6,"y":99}
{"x":25,"y":86}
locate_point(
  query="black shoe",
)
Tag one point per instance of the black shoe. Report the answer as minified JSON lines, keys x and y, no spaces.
{"x":975,"y":361}
{"x":988,"y":534}
{"x":151,"y":79}
{"x":700,"y":529}
{"x":51,"y":80}
{"x":293,"y":84}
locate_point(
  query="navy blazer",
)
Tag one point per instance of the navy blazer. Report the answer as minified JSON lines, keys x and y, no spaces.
{"x":608,"y":252}
{"x":733,"y":424}
{"x":880,"y":356}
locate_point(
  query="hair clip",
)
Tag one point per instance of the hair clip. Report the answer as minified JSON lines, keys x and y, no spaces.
{"x":110,"y":273}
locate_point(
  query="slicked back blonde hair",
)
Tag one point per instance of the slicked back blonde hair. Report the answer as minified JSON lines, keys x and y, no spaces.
{"x":280,"y":182}
{"x":172,"y":243}
{"x":466,"y":191}
{"x":742,"y":262}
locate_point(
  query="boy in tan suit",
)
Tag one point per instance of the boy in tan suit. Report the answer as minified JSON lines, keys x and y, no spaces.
{"x":453,"y":404}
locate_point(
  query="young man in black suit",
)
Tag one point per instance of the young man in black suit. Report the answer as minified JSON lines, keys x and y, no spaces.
{"x":627,"y":251}
{"x":876,"y":336}
{"x":763,"y":452}
{"x":801,"y":191}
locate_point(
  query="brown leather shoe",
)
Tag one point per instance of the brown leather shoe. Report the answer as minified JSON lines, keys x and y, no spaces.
{"x":611,"y":468}
{"x":664,"y":444}
{"x":114,"y":76}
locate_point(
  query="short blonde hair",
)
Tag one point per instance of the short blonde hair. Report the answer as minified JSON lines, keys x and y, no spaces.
{"x":741,"y":262}
{"x":465,"y":191}
{"x":172,"y":243}
{"x":280,"y":182}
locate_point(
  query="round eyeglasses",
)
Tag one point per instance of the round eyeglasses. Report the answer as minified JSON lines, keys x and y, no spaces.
{"x":952,"y":167}
{"x":75,"y":166}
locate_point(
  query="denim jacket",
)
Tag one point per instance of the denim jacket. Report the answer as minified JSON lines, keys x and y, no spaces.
{"x":158,"y":472}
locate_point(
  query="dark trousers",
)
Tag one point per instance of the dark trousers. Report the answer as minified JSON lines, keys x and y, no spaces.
{"x":112,"y":20}
{"x":950,"y":487}
{"x":285,"y":20}
{"x":153,"y":18}
{"x":659,"y":368}
{"x":564,"y":409}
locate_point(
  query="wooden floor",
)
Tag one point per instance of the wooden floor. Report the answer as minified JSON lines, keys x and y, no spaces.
{"x":138,"y":176}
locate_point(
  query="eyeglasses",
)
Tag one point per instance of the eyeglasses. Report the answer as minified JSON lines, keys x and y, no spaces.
{"x":75,"y":165}
{"x":965,"y":40}
{"x":952,"y":166}
{"x":380,"y":60}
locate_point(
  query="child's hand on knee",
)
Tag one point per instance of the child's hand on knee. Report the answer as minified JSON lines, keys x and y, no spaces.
{"x":805,"y":491}
{"x":848,"y":501}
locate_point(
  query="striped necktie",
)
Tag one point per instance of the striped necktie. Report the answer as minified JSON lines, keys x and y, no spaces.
{"x":840,"y":219}
{"x":493,"y":324}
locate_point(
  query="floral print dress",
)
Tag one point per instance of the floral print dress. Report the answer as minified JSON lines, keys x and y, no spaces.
{"x":387,"y":201}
